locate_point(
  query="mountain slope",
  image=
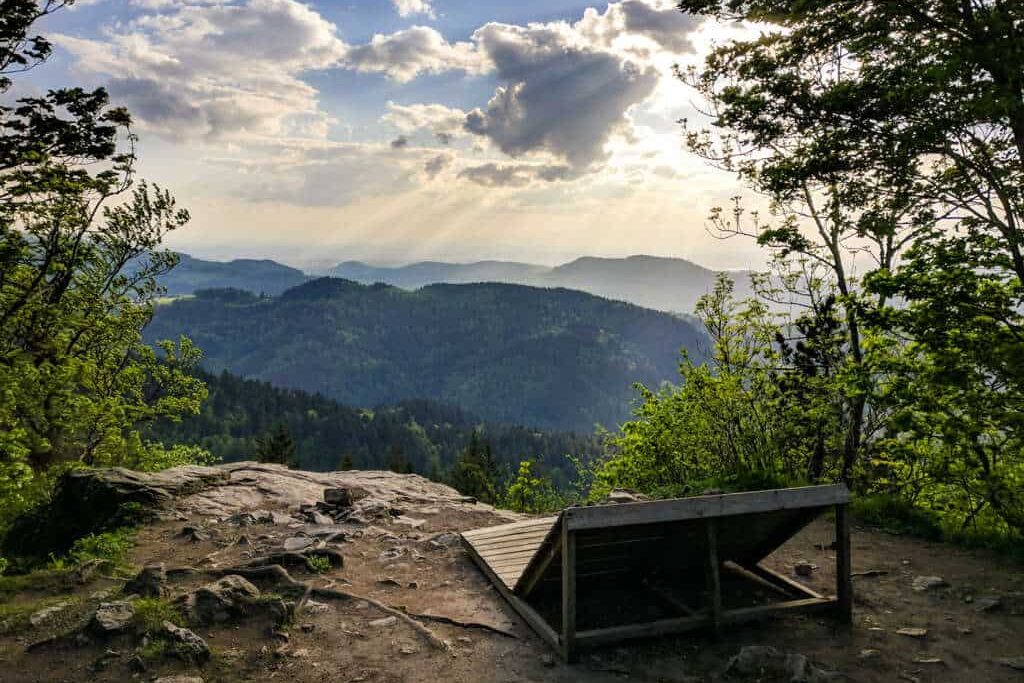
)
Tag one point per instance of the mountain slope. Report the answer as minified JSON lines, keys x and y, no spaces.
{"x":425,"y":435}
{"x":665,"y":284}
{"x":550,"y":358}
{"x":256,"y":276}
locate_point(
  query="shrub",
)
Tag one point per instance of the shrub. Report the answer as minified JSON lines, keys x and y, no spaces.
{"x":318,"y":564}
{"x":151,"y":613}
{"x":898,"y":515}
{"x":110,"y":547}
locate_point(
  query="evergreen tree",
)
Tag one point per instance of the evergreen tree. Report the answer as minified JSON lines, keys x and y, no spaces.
{"x":276,"y":447}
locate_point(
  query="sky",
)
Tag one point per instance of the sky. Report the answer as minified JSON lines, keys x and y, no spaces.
{"x":393,"y":131}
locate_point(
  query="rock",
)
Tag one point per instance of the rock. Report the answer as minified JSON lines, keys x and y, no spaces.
{"x":90,"y":500}
{"x":149,"y":583}
{"x":179,"y":679}
{"x":344,"y":497}
{"x":195,"y":534}
{"x":47,"y":613}
{"x":445,"y":540}
{"x":987,"y":604}
{"x":408,"y":650}
{"x":927,"y":583}
{"x":231,"y":596}
{"x":298,"y":543}
{"x":389,"y":582}
{"x":804,"y":568}
{"x":410,"y":521}
{"x":928,"y":660}
{"x":386,"y":622}
{"x":113,"y":617}
{"x":868,"y":654}
{"x":319,"y":518}
{"x":619,"y":496}
{"x":187,"y":645}
{"x":913,"y":632}
{"x":759,"y":661}
{"x":314,"y":607}
{"x":1016,"y":663}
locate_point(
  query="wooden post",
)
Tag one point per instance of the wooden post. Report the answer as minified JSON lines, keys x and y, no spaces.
{"x":714,"y":581}
{"x":568,"y":593}
{"x":844,"y":578}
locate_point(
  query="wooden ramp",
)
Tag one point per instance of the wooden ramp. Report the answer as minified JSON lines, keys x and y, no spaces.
{"x":682,"y":550}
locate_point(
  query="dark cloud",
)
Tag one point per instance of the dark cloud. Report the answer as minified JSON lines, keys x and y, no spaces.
{"x":516,"y":175}
{"x":444,"y":138}
{"x":435,"y":166}
{"x":400,"y":142}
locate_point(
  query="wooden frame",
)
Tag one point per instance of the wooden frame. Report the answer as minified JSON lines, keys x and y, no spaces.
{"x":561,"y":536}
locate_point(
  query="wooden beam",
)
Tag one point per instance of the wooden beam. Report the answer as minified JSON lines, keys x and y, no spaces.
{"x":569,"y":652}
{"x":648,"y":629}
{"x":735,"y":616}
{"x":844,"y":570}
{"x":680,"y":509}
{"x":713,"y":583}
{"x":529,"y":615}
{"x":783,"y":581}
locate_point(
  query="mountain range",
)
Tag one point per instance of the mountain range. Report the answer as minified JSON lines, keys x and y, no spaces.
{"x":664,"y":284}
{"x":549,"y":358}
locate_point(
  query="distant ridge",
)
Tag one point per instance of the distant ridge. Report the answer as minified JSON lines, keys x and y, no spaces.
{"x":662,"y":283}
{"x":252,"y":275}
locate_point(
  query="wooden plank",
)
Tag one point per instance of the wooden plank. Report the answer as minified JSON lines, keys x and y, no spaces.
{"x":844,"y":570}
{"x":529,"y":615}
{"x":714,"y":580}
{"x":512,"y":546}
{"x":735,"y":616}
{"x":783,"y":581}
{"x":506,"y":529}
{"x":516,"y":537}
{"x":568,"y":594}
{"x":660,"y":627}
{"x":627,"y":514}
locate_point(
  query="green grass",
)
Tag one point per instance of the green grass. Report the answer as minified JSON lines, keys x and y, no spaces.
{"x":151,"y":613}
{"x":896,"y":515}
{"x":318,"y":564}
{"x":110,"y":547}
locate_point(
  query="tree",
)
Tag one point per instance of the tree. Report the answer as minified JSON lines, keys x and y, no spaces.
{"x":78,"y":276}
{"x":276,"y":447}
{"x":907,"y":118}
{"x":475,"y":472}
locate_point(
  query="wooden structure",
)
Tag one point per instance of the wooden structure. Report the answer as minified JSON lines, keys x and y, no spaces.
{"x":678,"y":552}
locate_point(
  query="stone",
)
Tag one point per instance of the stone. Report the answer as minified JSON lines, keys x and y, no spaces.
{"x":314,"y":607}
{"x":188,"y":646}
{"x":179,"y":679}
{"x":912,"y":632}
{"x":620,"y":496}
{"x":386,"y":622}
{"x":344,"y":497}
{"x":868,"y":654}
{"x":195,"y":534}
{"x":756,"y":662}
{"x":113,"y":617}
{"x":927,"y":583}
{"x":1016,"y":663}
{"x":46,"y":614}
{"x":445,"y":540}
{"x":149,"y":583}
{"x":408,"y":650}
{"x":928,"y":660}
{"x":136,"y":664}
{"x":804,"y":568}
{"x":298,"y":543}
{"x":220,"y":601}
{"x":319,"y":518}
{"x":988,"y":604}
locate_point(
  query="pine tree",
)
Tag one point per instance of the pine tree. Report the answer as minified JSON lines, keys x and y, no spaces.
{"x":277,"y":447}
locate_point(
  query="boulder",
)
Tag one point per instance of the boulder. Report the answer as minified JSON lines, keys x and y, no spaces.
{"x":927,"y":583}
{"x":92,"y":500}
{"x":230,"y":597}
{"x":344,"y":497}
{"x":148,"y":583}
{"x":46,"y":614}
{"x":113,"y":617}
{"x":764,"y":663}
{"x":187,"y":645}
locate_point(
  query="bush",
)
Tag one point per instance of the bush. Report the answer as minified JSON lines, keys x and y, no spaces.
{"x":318,"y":564}
{"x":151,"y":613}
{"x":898,"y":515}
{"x":110,"y":547}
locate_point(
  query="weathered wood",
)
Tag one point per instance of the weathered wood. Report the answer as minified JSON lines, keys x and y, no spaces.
{"x":735,"y":616}
{"x":713,"y":582}
{"x":844,"y":580}
{"x":783,"y":581}
{"x":504,"y":529}
{"x":529,"y":615}
{"x":568,"y":594}
{"x":627,"y":514}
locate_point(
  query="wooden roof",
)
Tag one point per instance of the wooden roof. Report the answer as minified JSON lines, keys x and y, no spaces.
{"x":655,"y":535}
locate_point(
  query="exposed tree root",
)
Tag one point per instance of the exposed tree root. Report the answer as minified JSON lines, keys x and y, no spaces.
{"x":441,"y":619}
{"x":297,"y":559}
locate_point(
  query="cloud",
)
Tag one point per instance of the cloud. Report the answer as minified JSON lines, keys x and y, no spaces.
{"x":408,"y":53}
{"x":658,"y":21}
{"x":558,"y":95}
{"x":400,"y":142}
{"x":438,"y":119}
{"x":217,"y":70}
{"x":515,"y":175}
{"x":437,"y":165}
{"x":406,"y":8}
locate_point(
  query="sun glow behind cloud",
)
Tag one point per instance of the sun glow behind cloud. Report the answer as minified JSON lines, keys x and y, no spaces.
{"x":572,"y":146}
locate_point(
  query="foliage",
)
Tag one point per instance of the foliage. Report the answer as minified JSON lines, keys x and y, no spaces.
{"x":329,"y":436}
{"x":532,"y":491}
{"x":475,"y":472}
{"x":276,"y":447}
{"x":151,"y":613}
{"x":76,"y":380}
{"x":109,"y":547}
{"x":318,"y":564}
{"x":552,"y":359}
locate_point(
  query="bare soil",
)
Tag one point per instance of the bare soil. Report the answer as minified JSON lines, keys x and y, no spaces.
{"x":395,"y":562}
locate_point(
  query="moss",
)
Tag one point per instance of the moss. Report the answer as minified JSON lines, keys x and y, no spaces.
{"x":41,"y":580}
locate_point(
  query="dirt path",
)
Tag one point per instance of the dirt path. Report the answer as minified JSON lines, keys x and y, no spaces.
{"x":408,"y":559}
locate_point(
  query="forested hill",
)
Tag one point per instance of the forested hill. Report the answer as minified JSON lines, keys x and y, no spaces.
{"x":552,"y":358}
{"x":422,"y":436}
{"x":257,"y":276}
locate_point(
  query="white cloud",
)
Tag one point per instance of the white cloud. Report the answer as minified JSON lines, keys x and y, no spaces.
{"x":444,"y":122}
{"x":217,"y":71}
{"x":411,"y":52}
{"x":407,"y":8}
